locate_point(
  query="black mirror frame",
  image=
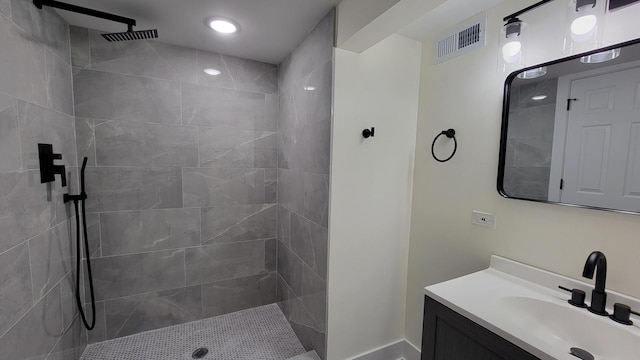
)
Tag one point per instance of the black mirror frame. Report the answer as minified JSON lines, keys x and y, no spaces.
{"x":505,"y":123}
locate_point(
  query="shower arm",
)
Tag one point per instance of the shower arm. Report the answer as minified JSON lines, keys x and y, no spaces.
{"x":85,"y":11}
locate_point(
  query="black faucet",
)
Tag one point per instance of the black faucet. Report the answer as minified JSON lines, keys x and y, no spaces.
{"x":598,"y":296}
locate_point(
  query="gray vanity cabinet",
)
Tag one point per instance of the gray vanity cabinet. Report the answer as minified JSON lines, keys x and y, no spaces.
{"x":447,"y":335}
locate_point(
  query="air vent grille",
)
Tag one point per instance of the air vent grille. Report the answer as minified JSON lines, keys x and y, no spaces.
{"x":471,"y":35}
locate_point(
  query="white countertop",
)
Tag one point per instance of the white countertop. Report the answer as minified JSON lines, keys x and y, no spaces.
{"x":488,"y":297}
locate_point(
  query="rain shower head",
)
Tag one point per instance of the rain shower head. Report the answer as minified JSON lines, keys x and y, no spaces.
{"x":131,"y":35}
{"x":123,"y":36}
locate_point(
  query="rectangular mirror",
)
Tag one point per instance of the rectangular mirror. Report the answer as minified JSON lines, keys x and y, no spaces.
{"x":571,"y":131}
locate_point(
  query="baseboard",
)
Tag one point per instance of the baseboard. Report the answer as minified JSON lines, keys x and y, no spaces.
{"x":399,"y":350}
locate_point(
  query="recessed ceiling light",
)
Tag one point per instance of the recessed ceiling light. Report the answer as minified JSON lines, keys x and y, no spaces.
{"x":212,"y":72}
{"x":539,"y":97}
{"x":224,"y":26}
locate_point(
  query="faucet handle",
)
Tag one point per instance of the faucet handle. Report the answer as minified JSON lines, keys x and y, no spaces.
{"x":577,"y":297}
{"x":622,"y":314}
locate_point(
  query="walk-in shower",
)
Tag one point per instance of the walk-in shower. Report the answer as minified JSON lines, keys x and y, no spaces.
{"x":198,"y":202}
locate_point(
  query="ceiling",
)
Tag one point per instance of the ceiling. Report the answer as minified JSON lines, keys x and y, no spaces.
{"x":270,"y":29}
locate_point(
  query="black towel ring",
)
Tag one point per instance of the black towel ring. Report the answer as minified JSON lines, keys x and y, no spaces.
{"x":451,"y":134}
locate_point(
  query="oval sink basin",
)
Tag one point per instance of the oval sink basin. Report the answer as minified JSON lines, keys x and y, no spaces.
{"x":563,"y":327}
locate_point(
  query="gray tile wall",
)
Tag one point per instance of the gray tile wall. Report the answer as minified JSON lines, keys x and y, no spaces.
{"x":182,"y":181}
{"x":38,"y":316}
{"x":304,"y":139}
{"x":530,"y":140}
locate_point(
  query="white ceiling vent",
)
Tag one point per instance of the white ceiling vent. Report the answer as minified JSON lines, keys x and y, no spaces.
{"x":471,"y":35}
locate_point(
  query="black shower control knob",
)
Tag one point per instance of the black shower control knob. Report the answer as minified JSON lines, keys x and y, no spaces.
{"x":367,"y":133}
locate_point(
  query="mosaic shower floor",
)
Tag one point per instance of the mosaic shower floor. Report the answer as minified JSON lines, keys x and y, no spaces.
{"x":261,"y":333}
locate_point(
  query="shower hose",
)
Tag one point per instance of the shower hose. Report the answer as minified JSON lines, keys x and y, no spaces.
{"x":76,"y":199}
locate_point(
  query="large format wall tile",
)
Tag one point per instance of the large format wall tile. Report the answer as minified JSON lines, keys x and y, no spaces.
{"x":290,"y":268}
{"x":144,"y":58}
{"x":45,"y":25}
{"x":128,"y":188}
{"x":51,"y":258}
{"x":135,"y":314}
{"x":237,"y":73}
{"x":9,"y":135}
{"x":58,"y":82}
{"x":37,"y":332}
{"x":72,"y":344}
{"x":150,"y":230}
{"x":209,"y":106}
{"x":110,"y":96}
{"x":40,"y":125}
{"x":316,"y":198}
{"x":238,"y":223}
{"x":15,"y":286}
{"x":212,"y":263}
{"x":291,"y":189}
{"x":314,"y":296}
{"x":5,"y":7}
{"x":223,"y":186}
{"x":24,"y":209}
{"x":310,"y":241}
{"x":120,"y":143}
{"x":86,"y":140}
{"x":314,"y":51}
{"x":118,"y":276}
{"x":229,"y":147}
{"x":23,"y":67}
{"x":228,"y":296}
{"x":80,"y":47}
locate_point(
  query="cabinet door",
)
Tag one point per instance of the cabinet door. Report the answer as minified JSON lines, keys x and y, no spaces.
{"x":448,"y":335}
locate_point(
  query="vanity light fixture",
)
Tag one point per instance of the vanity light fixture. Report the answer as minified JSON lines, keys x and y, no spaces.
{"x":223,"y":26}
{"x":212,"y":72}
{"x":584,"y":25}
{"x":511,"y":45}
{"x":539,"y":97}
{"x":600,"y":57}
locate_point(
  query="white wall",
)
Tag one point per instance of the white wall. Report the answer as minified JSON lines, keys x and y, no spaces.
{"x":466,"y":94}
{"x":371,"y":184}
